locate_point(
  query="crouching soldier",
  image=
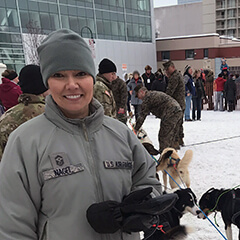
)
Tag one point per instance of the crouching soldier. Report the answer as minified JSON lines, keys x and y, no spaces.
{"x":164,"y":107}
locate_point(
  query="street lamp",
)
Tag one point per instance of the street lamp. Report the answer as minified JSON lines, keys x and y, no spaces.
{"x":89,"y":31}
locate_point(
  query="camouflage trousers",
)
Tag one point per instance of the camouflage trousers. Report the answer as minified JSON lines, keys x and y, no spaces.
{"x":169,"y":130}
{"x":122,"y":117}
{"x":180,"y":135}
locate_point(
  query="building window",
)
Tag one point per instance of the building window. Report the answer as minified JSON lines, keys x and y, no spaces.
{"x":189,"y":54}
{"x":205,"y":52}
{"x":231,"y":23}
{"x":141,"y":5}
{"x":12,"y":18}
{"x":3,"y":17}
{"x":231,"y":3}
{"x":45,"y":21}
{"x":165,"y":55}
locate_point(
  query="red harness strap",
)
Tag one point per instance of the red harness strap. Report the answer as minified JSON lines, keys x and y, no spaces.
{"x":160,"y":227}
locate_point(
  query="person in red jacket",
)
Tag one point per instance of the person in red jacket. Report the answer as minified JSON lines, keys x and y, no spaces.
{"x":220,"y":81}
{"x":9,"y":90}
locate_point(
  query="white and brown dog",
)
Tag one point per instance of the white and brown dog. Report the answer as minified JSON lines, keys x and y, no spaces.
{"x":178,"y":168}
{"x":146,"y":142}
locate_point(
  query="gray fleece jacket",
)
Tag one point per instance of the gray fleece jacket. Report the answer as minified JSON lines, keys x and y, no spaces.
{"x":54,"y":168}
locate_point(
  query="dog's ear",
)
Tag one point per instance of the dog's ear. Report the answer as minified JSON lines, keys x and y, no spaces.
{"x":164,"y":156}
{"x":150,"y":148}
{"x":163,"y":159}
{"x":187,"y":158}
{"x":167,"y":154}
{"x":209,"y":191}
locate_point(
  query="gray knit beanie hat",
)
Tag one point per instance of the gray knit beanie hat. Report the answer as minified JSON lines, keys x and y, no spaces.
{"x":64,"y":50}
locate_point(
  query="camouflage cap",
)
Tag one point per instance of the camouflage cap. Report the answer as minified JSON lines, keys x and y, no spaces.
{"x":167,"y":64}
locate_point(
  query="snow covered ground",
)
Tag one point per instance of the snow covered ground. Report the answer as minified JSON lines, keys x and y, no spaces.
{"x":215,"y":164}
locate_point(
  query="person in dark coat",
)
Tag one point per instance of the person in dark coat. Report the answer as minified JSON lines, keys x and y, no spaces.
{"x":199,"y":94}
{"x":148,"y":77}
{"x":136,"y":80}
{"x":230,"y":89}
{"x":120,"y":94}
{"x":237,"y":81}
{"x":130,"y":114}
{"x":225,"y":74}
{"x":161,"y":81}
{"x":189,"y":90}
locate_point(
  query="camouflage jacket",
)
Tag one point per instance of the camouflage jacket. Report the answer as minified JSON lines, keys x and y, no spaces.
{"x":176,"y":88}
{"x":103,"y":93}
{"x":159,"y":104}
{"x":29,"y":106}
{"x":119,"y":89}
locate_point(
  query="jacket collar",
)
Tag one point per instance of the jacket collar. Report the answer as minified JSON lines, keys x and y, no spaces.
{"x":102,"y":79}
{"x":133,"y":80}
{"x":92,"y":123}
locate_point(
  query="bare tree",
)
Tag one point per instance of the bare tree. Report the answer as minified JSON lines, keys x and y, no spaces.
{"x":32,"y":40}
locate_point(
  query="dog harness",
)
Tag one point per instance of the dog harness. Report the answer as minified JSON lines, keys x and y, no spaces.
{"x":236,"y":203}
{"x":173,"y":164}
{"x":141,"y":132}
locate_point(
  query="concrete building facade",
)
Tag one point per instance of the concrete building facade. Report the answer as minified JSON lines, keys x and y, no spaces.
{"x":222,"y":17}
{"x":122,"y":30}
{"x":200,"y":51}
{"x":199,"y":17}
{"x":178,"y":20}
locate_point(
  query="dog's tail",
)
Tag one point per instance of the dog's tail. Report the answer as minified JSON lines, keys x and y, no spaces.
{"x":178,"y":232}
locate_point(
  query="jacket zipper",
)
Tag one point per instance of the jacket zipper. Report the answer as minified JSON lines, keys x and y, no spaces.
{"x":85,"y":132}
{"x":93,"y":169}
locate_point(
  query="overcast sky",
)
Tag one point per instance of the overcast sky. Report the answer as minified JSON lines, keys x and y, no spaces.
{"x":161,"y":3}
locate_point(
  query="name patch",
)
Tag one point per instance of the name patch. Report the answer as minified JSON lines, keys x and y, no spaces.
{"x":61,"y":166}
{"x":118,"y":164}
{"x":61,"y":172}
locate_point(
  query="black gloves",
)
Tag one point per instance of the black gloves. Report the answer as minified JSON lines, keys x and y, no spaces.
{"x":140,"y":201}
{"x":105,"y":217}
{"x":137,"y":212}
{"x":139,"y":222}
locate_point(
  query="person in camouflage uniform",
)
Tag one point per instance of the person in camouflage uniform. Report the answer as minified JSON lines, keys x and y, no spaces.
{"x":176,"y":89}
{"x":164,"y":107}
{"x":30,"y":104}
{"x":120,"y":93}
{"x":103,"y":87}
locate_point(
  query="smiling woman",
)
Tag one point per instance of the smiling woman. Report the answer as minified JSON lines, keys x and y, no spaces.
{"x":72,"y":90}
{"x":56,"y":166}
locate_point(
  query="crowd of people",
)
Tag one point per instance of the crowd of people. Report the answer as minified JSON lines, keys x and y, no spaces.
{"x":119,"y":99}
{"x":65,"y":145}
{"x":226,"y":89}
